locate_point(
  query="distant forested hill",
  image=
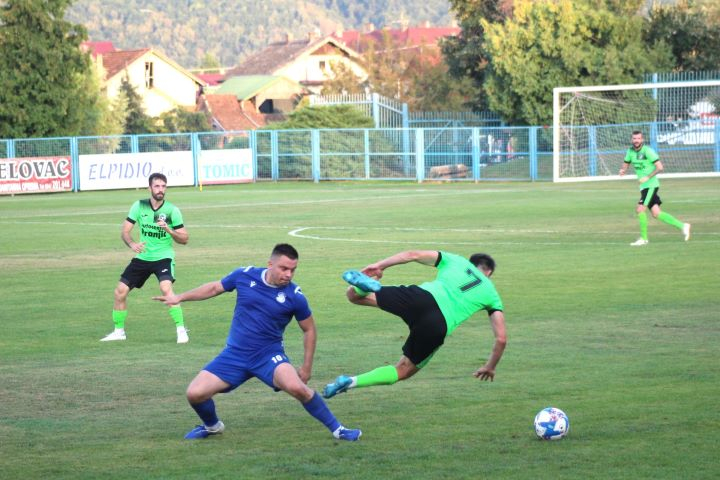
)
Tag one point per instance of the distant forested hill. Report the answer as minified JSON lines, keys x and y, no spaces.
{"x":187,"y":30}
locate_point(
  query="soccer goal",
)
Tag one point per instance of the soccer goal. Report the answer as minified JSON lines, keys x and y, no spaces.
{"x":592,"y":127}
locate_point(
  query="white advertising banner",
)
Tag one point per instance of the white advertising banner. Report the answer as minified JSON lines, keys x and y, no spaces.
{"x":131,"y":170}
{"x":216,"y":167}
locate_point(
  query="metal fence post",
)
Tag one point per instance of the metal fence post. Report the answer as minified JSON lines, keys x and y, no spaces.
{"x":420,"y":154}
{"x":274,"y":160}
{"x":75,"y":162}
{"x":593,"y":151}
{"x":475,"y":136}
{"x":315,"y":154}
{"x":406,"y":138}
{"x":367,"y":154}
{"x":533,"y":147}
{"x":195,"y":149}
{"x":654,"y":135}
{"x":252,"y":143}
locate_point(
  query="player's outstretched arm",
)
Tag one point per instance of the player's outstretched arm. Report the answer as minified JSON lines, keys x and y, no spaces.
{"x":426,"y":257}
{"x":203,"y":292}
{"x":487,"y":371}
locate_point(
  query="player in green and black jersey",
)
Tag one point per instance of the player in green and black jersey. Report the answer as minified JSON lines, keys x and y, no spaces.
{"x":431,"y":310}
{"x":160,"y":224}
{"x":647,"y":165}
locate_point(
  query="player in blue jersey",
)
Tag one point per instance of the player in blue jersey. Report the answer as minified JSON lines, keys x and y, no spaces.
{"x":266,"y":302}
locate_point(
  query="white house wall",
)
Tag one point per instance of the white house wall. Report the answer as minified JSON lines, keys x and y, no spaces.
{"x":171,"y":87}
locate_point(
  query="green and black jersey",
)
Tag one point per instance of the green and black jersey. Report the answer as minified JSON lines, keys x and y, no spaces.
{"x":460,"y":290}
{"x":158,"y":243}
{"x":643,"y":161}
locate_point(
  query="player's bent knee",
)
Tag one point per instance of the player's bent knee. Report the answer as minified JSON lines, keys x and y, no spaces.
{"x":300,"y":391}
{"x":195,"y":396}
{"x":121,"y":292}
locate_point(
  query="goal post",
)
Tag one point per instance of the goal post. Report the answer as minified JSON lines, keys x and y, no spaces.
{"x":592,"y":127}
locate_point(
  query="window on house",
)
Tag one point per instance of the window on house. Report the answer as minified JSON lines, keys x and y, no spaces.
{"x":149,"y":79}
{"x":267,"y":106}
{"x":322,"y":64}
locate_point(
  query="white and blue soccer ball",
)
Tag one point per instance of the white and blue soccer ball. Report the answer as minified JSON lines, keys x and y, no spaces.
{"x":551,"y":424}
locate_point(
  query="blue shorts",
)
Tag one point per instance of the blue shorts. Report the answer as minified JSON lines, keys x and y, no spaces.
{"x":236,"y":367}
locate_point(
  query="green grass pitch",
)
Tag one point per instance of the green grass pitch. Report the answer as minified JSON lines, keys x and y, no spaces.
{"x":625,"y":340}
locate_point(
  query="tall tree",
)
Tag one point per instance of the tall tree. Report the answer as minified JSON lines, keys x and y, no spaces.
{"x":136,"y":120}
{"x":464,"y":54}
{"x":551,"y":43}
{"x":690,"y":30}
{"x":43,"y":73}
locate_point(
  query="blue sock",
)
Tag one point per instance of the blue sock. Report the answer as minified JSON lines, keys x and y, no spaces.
{"x":318,"y":409}
{"x":206,"y":412}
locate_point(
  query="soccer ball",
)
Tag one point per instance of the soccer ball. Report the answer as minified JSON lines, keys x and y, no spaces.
{"x":551,"y":424}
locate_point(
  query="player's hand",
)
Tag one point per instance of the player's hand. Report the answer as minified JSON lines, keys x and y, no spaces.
{"x":137,"y":247}
{"x":621,"y":172}
{"x":373,"y":271}
{"x":169,"y":300}
{"x":643,"y":179}
{"x":304,"y":374}
{"x":485,"y":373}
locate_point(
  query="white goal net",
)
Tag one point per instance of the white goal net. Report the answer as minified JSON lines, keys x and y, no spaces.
{"x":592,"y":128}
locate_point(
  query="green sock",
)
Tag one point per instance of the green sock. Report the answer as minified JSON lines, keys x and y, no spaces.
{"x":386,"y":375}
{"x":642,"y":218}
{"x":670,"y":220}
{"x":176,"y":314}
{"x":361,"y":293}
{"x":119,"y":317}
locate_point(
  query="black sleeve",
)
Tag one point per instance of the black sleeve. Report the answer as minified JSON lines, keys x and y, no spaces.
{"x":437,"y":262}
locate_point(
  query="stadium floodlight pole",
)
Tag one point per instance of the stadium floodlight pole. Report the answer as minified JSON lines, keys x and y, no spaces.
{"x":578,"y":162}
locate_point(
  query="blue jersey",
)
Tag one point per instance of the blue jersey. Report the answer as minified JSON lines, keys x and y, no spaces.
{"x":262,"y":311}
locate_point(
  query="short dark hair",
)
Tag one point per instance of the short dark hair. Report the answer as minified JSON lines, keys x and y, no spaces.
{"x":483,"y":261}
{"x":637,"y":132}
{"x":285,"y":249}
{"x":157,"y":175}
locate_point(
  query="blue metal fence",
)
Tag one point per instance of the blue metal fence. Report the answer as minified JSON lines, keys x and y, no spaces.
{"x":414,"y":154}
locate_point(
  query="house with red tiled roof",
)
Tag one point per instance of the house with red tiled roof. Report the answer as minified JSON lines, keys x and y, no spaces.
{"x":251,"y":101}
{"x":162,"y":84}
{"x":228,"y":114}
{"x":308,"y":61}
{"x":211,"y":79}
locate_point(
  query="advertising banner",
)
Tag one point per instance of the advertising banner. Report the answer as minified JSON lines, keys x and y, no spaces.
{"x":217,"y":167}
{"x":35,"y":175}
{"x":131,"y":170}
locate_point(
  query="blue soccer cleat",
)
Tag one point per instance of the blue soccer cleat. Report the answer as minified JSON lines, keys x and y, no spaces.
{"x":349,"y":434}
{"x":340,"y":385}
{"x":202,"y":431}
{"x":361,"y":281}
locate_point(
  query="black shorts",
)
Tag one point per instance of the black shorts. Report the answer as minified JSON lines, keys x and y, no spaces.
{"x":654,"y":197}
{"x":138,"y":271}
{"x":420,"y":311}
